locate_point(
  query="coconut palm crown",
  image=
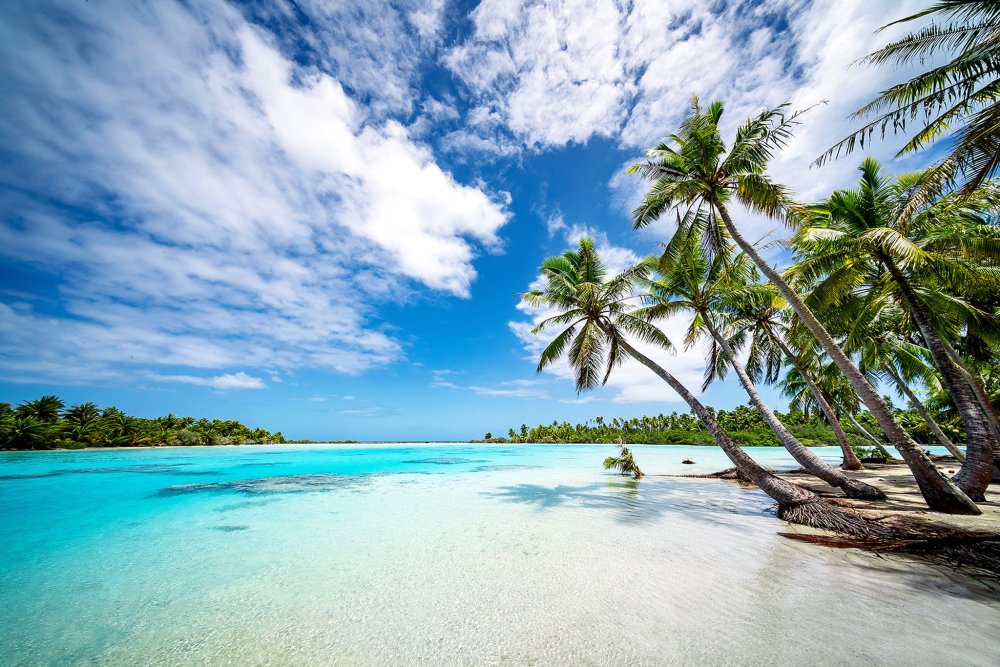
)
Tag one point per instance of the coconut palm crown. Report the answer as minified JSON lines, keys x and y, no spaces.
{"x":696,"y":169}
{"x":596,"y":311}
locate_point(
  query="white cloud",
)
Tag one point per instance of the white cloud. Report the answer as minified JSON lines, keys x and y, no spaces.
{"x":371,"y":411}
{"x":426,"y":18}
{"x":630,"y":69}
{"x":241,"y":210}
{"x":549,"y":73}
{"x":583,"y":400}
{"x":239,"y":380}
{"x":555,"y":223}
{"x":521,"y":388}
{"x":375,"y":49}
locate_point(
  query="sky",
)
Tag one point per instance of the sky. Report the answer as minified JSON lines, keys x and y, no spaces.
{"x":315,"y":216}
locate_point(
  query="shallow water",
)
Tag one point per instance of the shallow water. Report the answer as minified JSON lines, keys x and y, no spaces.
{"x":452,"y":554}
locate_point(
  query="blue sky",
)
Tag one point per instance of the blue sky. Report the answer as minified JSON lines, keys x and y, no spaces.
{"x":315,"y":216}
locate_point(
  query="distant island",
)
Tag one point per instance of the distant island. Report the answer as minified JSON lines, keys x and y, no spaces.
{"x":46,"y":423}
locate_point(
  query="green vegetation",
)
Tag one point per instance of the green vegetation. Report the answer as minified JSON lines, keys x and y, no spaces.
{"x":744,"y":423}
{"x":46,"y":423}
{"x":895,"y":282}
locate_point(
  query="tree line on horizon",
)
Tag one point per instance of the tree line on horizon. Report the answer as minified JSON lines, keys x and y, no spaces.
{"x":895,"y":280}
{"x":744,"y":423}
{"x":46,"y":423}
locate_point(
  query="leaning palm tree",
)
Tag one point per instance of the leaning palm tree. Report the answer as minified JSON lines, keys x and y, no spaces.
{"x":598,"y":322}
{"x":696,"y":172}
{"x":957,"y":98}
{"x":839,"y":394}
{"x":689,"y":282}
{"x":888,"y":352}
{"x":764,"y":315}
{"x":857,"y":242}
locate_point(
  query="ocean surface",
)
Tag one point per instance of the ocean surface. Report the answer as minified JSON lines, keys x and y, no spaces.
{"x":445,"y":554}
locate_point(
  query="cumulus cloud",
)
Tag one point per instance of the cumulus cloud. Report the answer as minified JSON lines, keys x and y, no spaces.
{"x":207,"y":202}
{"x":550,"y":75}
{"x":375,"y":49}
{"x":630,"y":70}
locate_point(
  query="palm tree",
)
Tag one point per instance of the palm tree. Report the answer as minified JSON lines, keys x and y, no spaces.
{"x":699,"y":174}
{"x":885,"y":350}
{"x":763,"y":314}
{"x":593,"y":308}
{"x":690,"y":282}
{"x":27,"y":432}
{"x":47,"y":408}
{"x":958,"y":97}
{"x":903,"y":386}
{"x":857,"y":242}
{"x":82,"y":423}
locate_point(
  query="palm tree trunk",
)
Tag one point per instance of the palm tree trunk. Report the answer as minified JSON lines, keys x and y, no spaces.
{"x":852,"y":488}
{"x":869,"y":437}
{"x":977,"y":471}
{"x":940,"y":493}
{"x":851,"y":460}
{"x":977,"y":388}
{"x":782,"y":491}
{"x":984,"y":403}
{"x":931,"y":424}
{"x":795,"y":503}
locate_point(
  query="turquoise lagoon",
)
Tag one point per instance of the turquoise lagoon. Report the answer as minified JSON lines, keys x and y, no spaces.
{"x":445,"y":554}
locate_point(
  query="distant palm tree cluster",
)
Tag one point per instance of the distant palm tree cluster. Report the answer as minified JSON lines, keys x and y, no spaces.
{"x":744,"y":423}
{"x":896,"y":280}
{"x":46,"y":423}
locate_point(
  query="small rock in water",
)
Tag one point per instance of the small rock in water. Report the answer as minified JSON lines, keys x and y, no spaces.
{"x":688,"y":461}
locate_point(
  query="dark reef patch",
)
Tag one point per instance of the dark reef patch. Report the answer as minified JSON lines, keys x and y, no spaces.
{"x":142,"y":469}
{"x":271,"y":485}
{"x":262,"y":464}
{"x":446,"y":462}
{"x":500,"y":466}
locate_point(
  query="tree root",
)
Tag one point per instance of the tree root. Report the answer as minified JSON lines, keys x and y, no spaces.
{"x":855,"y":530}
{"x":858,"y":490}
{"x":846,"y":522}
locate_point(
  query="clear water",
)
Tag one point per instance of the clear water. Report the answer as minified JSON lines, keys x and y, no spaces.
{"x":453,"y":554}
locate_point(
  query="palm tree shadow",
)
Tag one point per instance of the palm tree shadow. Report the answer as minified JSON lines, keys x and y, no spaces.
{"x":640,"y":501}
